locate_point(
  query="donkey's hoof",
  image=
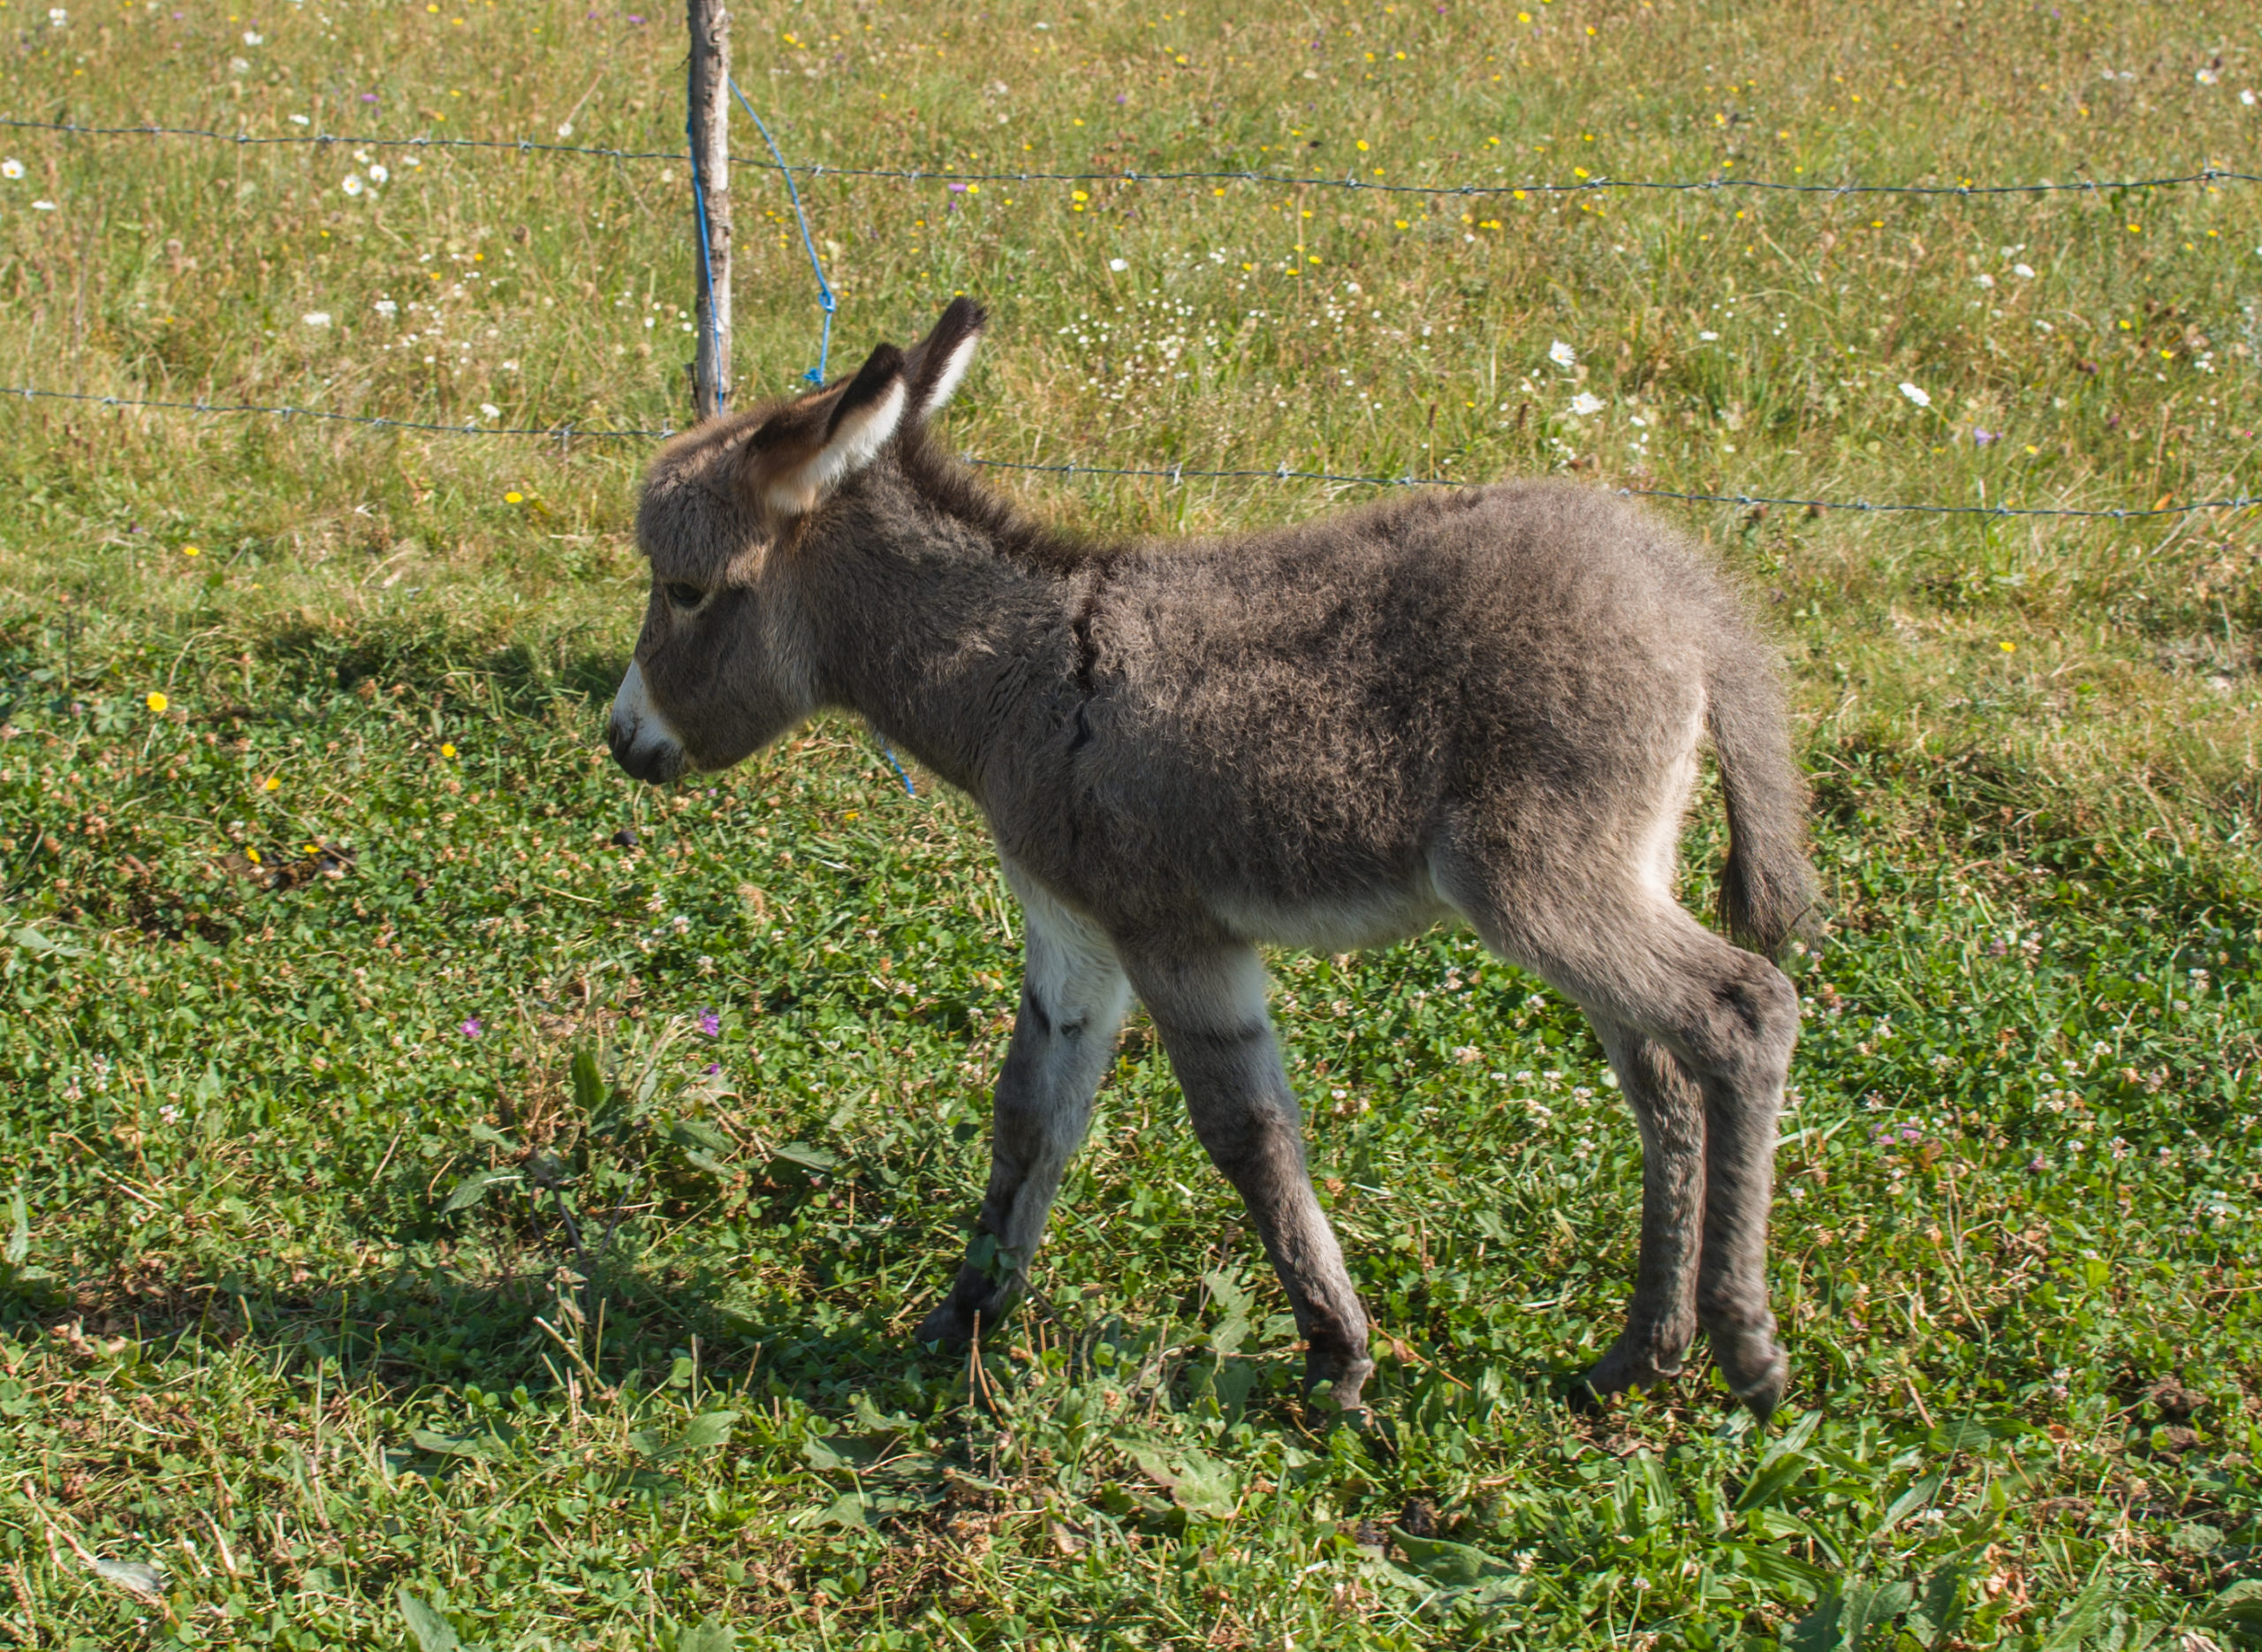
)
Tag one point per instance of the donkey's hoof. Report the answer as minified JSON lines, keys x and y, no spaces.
{"x":1757,"y":1369}
{"x":948,"y":1325}
{"x":1346,"y":1377}
{"x":1630,"y":1365}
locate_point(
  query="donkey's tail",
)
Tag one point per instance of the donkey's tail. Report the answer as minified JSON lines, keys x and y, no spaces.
{"x":1767,"y":888}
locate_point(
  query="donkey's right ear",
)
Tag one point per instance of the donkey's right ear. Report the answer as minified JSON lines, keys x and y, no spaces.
{"x":804,"y":451}
{"x":939,"y":361}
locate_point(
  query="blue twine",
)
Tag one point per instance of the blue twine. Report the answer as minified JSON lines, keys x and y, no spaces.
{"x":825,"y":297}
{"x":828,"y":303}
{"x":706,"y":261}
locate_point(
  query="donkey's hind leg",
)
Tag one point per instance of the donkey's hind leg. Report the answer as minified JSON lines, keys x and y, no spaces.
{"x":1208,"y":1004}
{"x":1645,"y":969}
{"x":1669,"y":1110}
{"x":1073,"y":995}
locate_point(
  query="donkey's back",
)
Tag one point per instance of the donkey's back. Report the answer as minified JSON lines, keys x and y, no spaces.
{"x":1287,"y":727}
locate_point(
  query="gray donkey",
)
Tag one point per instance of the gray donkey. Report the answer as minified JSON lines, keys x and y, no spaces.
{"x":1485,"y":704}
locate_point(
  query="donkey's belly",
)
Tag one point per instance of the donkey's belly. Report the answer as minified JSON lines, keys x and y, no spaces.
{"x":1372,"y":917}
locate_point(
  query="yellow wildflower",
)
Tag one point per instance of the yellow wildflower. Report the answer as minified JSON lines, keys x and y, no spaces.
{"x":158,"y":703}
{"x":447,"y":748}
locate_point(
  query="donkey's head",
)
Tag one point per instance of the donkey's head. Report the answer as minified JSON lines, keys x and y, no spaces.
{"x":723,"y":665}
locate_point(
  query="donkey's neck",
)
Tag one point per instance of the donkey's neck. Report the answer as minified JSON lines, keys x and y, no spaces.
{"x":945,"y":621}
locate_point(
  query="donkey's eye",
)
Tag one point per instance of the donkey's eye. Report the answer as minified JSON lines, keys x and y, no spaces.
{"x":684,"y":595}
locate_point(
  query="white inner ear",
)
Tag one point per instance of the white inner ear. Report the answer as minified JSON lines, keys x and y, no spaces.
{"x":954,"y":369}
{"x":858,"y":441}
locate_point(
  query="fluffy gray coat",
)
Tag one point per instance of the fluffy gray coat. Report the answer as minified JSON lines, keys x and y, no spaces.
{"x":1485,"y":705}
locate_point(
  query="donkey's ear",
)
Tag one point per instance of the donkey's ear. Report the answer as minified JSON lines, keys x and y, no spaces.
{"x":939,"y":361}
{"x":806,"y":451}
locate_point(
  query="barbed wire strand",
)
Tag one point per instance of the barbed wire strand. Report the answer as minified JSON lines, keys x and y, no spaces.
{"x":815,"y":170}
{"x":1174,"y":474}
{"x":565,"y":430}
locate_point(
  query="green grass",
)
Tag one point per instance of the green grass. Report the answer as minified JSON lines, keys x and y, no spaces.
{"x":589,"y":1329}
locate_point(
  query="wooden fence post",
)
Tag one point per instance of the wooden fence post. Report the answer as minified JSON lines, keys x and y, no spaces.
{"x":710,"y":173}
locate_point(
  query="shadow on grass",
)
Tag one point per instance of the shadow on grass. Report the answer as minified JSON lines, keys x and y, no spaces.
{"x":417,"y":1325}
{"x":436,"y":657}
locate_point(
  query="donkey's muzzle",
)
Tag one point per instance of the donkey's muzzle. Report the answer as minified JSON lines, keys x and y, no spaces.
{"x":642,"y":743}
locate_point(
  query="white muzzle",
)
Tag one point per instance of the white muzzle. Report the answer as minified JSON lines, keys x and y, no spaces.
{"x":642,"y":743}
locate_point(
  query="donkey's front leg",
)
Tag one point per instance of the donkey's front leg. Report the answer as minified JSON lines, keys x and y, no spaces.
{"x":1072,"y":998}
{"x":1209,"y":1006}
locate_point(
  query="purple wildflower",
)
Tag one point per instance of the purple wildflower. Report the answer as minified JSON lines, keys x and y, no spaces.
{"x":1980,"y":438}
{"x":471,"y":1027}
{"x":958,"y":189}
{"x":714,"y":1067}
{"x":369,"y":97}
{"x":710,"y":1022}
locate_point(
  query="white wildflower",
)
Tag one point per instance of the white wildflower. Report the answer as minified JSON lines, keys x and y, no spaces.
{"x":12,"y":168}
{"x":1986,"y":280}
{"x":2024,"y":272}
{"x":2207,"y":77}
{"x":489,"y":410}
{"x":1914,"y":394}
{"x":252,"y":37}
{"x":1709,"y":338}
{"x":1561,"y":354}
{"x":1118,"y":265}
{"x":57,"y":16}
{"x":316,"y":318}
{"x":42,"y":206}
{"x":1586,"y":403}
{"x":386,"y":307}
{"x":353,"y":184}
{"x":300,"y":120}
{"x":377,"y":173}
{"x":564,"y":128}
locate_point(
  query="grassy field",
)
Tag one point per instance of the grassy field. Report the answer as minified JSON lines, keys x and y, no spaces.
{"x":451,"y":1197}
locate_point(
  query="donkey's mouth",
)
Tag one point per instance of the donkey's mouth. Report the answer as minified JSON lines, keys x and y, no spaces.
{"x":642,"y":743}
{"x":658,"y":761}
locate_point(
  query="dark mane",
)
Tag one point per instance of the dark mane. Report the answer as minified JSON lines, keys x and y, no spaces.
{"x":948,"y":484}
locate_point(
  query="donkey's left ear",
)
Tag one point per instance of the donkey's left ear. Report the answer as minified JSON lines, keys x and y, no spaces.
{"x":936,"y":363}
{"x":804,"y":451}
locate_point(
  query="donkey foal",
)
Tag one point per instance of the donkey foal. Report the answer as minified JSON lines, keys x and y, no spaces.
{"x":1485,"y":704}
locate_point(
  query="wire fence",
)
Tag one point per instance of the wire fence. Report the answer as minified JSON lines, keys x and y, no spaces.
{"x":777,"y":162}
{"x":565,"y":432}
{"x":1175,"y":475}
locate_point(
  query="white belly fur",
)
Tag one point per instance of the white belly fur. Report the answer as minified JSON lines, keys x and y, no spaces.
{"x":1373,"y":918}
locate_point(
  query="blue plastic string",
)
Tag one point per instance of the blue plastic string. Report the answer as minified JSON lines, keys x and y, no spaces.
{"x":707,"y":263}
{"x":825,"y":297}
{"x":828,"y":303}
